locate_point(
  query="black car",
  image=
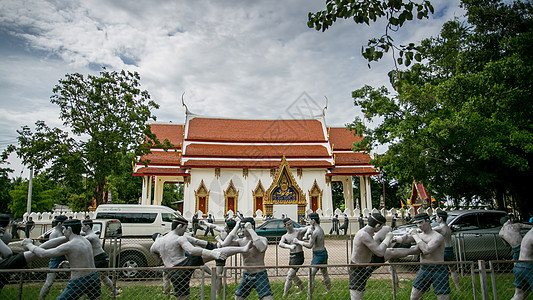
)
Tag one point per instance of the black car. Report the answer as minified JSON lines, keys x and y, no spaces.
{"x":273,"y":229}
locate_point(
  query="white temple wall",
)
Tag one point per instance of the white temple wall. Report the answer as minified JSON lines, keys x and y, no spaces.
{"x":245,"y":186}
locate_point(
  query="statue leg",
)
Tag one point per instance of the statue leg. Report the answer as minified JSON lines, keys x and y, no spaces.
{"x":109,"y":284}
{"x":291,"y":275}
{"x":166,"y":284}
{"x":520,"y":294}
{"x":417,"y":294}
{"x":327,"y":280}
{"x":356,"y":295}
{"x":311,"y":284}
{"x":220,"y":273}
{"x":50,"y":277}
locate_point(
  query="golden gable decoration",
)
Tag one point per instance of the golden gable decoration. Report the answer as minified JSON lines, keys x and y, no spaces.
{"x":285,"y":190}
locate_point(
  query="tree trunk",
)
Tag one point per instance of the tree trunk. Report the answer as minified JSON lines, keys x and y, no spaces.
{"x":500,"y":203}
{"x":99,"y":192}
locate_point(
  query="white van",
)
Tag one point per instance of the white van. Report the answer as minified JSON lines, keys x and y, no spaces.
{"x":138,"y":220}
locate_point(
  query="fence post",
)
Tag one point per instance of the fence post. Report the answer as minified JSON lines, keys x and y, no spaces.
{"x":473,"y":276}
{"x":21,"y":284}
{"x":224,"y":282}
{"x":202,"y":284}
{"x":394,"y":282}
{"x":483,"y":280}
{"x":214,"y":287}
{"x":493,"y":280}
{"x":309,"y":283}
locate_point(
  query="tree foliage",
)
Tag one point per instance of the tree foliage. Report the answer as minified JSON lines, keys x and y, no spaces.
{"x":44,"y":194}
{"x":396,"y":12}
{"x":106,"y":118}
{"x":461,"y":121}
{"x":124,"y":187}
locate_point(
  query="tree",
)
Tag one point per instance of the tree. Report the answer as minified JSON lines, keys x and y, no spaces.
{"x":124,"y":187}
{"x":172,"y":193}
{"x":396,"y":12}
{"x":45,"y":194}
{"x":461,"y":121}
{"x":107,"y":115}
{"x":5,"y":184}
{"x":337,"y":195}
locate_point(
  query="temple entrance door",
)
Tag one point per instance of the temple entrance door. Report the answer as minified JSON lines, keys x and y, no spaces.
{"x":180,"y":207}
{"x":259,"y":204}
{"x":231,"y":204}
{"x":314,"y":203}
{"x":202,"y":204}
{"x":231,"y":195}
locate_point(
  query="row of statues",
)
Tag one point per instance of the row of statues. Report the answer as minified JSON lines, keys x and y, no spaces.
{"x":74,"y":241}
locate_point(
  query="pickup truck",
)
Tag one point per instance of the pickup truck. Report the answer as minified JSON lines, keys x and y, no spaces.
{"x":474,"y":235}
{"x":123,"y":252}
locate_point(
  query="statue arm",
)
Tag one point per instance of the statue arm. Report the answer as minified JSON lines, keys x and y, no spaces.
{"x":229,"y":240}
{"x":310,"y":243}
{"x":52,"y":243}
{"x":377,"y":248}
{"x":196,"y":242}
{"x":429,"y":247}
{"x":284,"y":243}
{"x":260,"y":243}
{"x":525,"y":226}
{"x":5,"y":251}
{"x":49,"y":253}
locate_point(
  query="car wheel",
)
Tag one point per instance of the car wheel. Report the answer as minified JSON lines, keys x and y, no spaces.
{"x":131,"y":260}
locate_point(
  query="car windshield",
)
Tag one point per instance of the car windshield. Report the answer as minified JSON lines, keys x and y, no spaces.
{"x":434,"y":222}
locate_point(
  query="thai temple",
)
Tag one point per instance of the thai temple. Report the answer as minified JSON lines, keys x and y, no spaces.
{"x":255,"y":167}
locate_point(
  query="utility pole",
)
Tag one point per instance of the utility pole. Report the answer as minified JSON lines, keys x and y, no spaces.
{"x":30,"y":185}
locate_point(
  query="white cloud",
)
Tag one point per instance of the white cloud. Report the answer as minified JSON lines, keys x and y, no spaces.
{"x":231,"y":58}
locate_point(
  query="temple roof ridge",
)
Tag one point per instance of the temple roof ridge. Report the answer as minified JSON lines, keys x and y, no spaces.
{"x":317,"y":117}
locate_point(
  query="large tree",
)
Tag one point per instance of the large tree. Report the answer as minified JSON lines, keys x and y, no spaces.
{"x":45,"y":193}
{"x":461,"y":121}
{"x":106,"y":118}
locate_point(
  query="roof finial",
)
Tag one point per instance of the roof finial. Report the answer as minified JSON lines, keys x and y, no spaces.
{"x":325,"y":107}
{"x":183,"y":103}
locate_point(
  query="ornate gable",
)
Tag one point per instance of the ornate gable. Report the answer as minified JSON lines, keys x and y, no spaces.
{"x":285,"y":190}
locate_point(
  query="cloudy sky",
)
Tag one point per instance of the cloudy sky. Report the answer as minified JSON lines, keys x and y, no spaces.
{"x":244,"y":59}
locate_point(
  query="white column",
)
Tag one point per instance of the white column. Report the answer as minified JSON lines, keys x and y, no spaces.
{"x":347,"y":189}
{"x":368,"y":192}
{"x":362,"y":190}
{"x":144,"y":195}
{"x":149,"y":198}
{"x":158,"y":190}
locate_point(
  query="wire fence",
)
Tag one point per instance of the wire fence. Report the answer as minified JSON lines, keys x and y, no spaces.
{"x":476,"y":280}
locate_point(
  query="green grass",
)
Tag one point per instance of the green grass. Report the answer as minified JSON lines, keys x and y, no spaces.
{"x":379,"y":289}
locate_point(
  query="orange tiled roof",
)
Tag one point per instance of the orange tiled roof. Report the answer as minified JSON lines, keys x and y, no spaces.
{"x":233,"y":130}
{"x":234,"y":143}
{"x":196,"y":163}
{"x":354,"y":158}
{"x":169,"y":157}
{"x":155,"y":171}
{"x":256,"y":151}
{"x":365,"y":170}
{"x":172,"y":132}
{"x":341,"y":138}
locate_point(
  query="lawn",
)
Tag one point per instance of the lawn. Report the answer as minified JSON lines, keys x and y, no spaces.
{"x":376,"y":289}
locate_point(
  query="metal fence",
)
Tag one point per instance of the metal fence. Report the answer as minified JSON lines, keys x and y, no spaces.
{"x":477,"y":280}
